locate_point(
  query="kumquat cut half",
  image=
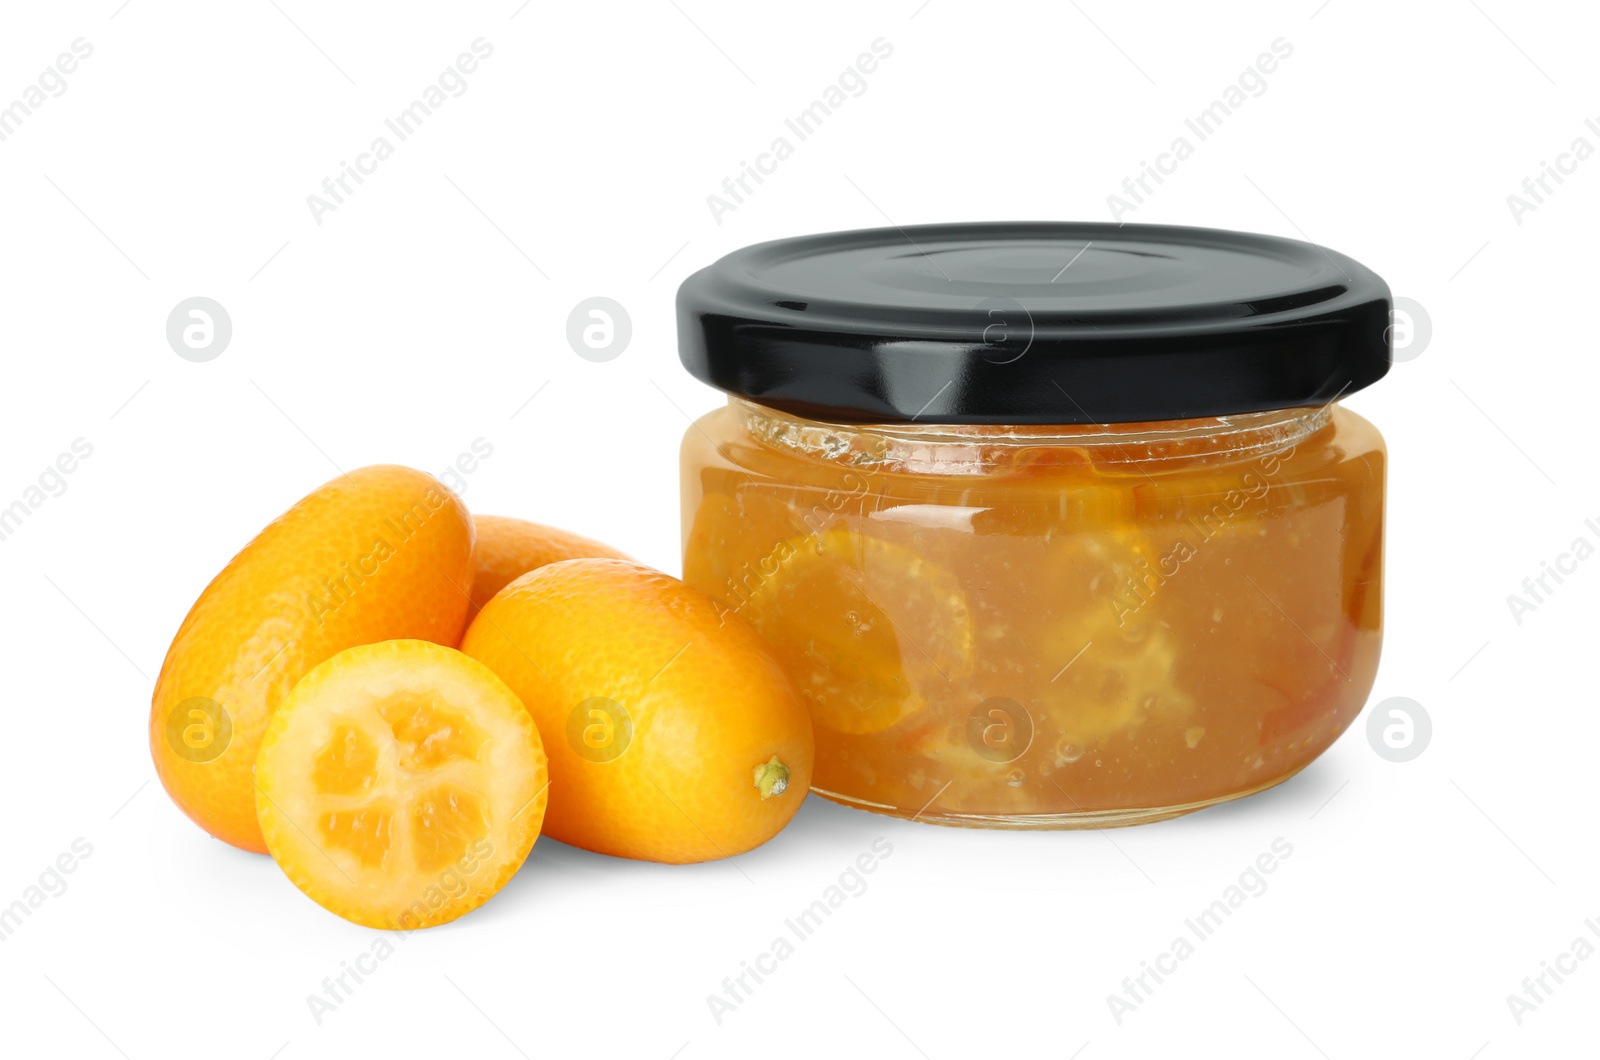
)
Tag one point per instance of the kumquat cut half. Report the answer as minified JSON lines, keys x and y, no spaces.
{"x":401,"y":784}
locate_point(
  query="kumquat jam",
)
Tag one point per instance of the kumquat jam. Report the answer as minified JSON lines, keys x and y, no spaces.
{"x":1050,"y":525}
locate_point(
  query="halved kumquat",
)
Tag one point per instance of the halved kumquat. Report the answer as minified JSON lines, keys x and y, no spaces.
{"x":401,"y":784}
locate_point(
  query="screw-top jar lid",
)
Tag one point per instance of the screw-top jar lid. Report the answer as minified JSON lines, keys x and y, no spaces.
{"x":1024,"y":322}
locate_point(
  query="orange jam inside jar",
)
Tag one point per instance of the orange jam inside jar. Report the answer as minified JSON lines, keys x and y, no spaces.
{"x":1051,"y":525}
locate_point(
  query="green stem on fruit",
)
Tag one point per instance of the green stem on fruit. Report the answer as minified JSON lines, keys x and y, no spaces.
{"x":772,"y":778}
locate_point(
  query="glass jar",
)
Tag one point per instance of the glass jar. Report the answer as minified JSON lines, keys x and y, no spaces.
{"x":1001,"y":609}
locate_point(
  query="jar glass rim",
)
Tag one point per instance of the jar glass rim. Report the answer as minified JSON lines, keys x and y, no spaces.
{"x":957,"y":448}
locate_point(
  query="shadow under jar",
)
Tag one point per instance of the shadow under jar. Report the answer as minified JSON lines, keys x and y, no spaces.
{"x":1051,"y":525}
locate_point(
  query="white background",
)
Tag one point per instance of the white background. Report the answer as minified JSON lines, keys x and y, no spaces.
{"x":429,"y":308}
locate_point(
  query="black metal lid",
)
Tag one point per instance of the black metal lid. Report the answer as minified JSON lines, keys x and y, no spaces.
{"x":1025,"y":322}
